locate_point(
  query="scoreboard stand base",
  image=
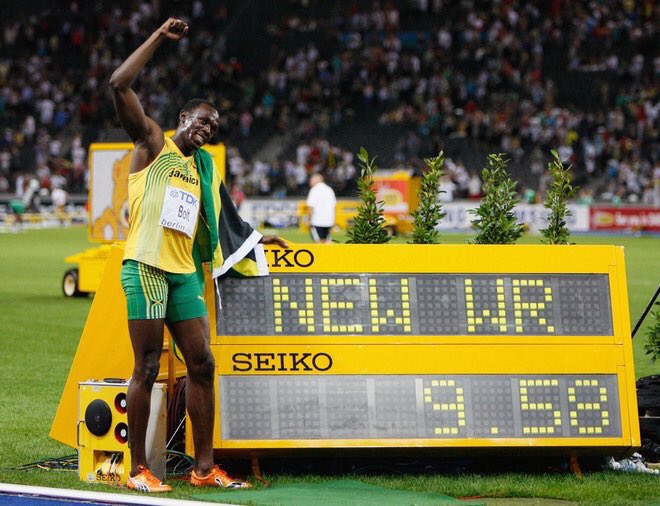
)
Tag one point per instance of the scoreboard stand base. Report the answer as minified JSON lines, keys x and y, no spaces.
{"x":348,"y":454}
{"x":413,"y":461}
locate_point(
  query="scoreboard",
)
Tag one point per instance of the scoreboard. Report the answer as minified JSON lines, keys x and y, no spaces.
{"x":461,"y":346}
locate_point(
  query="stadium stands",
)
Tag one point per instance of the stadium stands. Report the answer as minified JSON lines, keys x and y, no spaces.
{"x":303,"y":83}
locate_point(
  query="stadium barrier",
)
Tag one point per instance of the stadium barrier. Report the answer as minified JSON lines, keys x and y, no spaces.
{"x":284,"y":213}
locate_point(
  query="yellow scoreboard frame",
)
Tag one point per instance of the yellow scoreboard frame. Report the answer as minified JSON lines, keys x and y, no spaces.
{"x":339,"y":348}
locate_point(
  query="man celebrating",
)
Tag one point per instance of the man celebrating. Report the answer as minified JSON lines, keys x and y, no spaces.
{"x":171,"y":182}
{"x":322,"y":204}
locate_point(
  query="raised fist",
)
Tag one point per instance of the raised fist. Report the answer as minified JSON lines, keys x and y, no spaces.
{"x":174,"y":29}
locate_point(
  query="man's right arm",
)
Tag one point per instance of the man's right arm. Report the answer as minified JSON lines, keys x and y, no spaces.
{"x":144,"y":132}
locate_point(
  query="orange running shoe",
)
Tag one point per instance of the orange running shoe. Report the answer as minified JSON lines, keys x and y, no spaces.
{"x":217,"y":478}
{"x":144,"y":481}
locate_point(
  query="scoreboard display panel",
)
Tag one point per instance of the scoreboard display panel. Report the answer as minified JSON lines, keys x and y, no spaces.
{"x":427,"y":346}
{"x":417,"y":304}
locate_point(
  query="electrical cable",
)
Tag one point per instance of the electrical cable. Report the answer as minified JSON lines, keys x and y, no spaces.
{"x":66,"y":463}
{"x":178,"y":463}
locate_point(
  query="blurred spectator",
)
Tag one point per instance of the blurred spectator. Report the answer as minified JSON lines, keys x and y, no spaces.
{"x":528,"y":195}
{"x":585,"y":197}
{"x":58,"y":196}
{"x":237,"y":195}
{"x":474,"y":186}
{"x":447,"y":189}
{"x":4,"y":184}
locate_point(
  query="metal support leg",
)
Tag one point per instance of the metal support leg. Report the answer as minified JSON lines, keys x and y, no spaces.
{"x":256,"y":470}
{"x":575,"y":468}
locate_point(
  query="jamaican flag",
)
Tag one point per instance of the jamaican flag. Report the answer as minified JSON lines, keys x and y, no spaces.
{"x":223,"y":238}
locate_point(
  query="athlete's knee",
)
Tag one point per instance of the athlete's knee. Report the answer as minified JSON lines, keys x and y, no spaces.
{"x":203,"y":368}
{"x":146,"y":371}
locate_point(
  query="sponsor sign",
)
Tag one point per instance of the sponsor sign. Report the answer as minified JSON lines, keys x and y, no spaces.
{"x":625,"y":218}
{"x":533,"y":215}
{"x":270,"y":212}
{"x":394,"y":195}
{"x":284,"y":213}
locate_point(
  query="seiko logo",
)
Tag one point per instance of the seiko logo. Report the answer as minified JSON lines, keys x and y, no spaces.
{"x":289,"y":258}
{"x":260,"y":362}
{"x":101,"y":476}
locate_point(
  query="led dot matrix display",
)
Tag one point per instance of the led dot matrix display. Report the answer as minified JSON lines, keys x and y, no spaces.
{"x":407,"y":406}
{"x":416,"y":304}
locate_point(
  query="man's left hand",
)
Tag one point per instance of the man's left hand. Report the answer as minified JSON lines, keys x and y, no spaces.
{"x":273,"y":239}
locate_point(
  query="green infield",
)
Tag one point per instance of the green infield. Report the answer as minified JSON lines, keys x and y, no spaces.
{"x":39,"y":332}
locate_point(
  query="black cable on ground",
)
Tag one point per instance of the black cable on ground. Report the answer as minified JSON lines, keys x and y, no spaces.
{"x":66,"y":463}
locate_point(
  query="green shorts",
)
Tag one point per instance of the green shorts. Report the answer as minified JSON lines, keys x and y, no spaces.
{"x":152,"y":293}
{"x":17,"y":206}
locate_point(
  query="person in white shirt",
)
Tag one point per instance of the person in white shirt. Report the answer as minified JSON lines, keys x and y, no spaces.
{"x":447,"y":188}
{"x":321,"y":203}
{"x":59,"y":196}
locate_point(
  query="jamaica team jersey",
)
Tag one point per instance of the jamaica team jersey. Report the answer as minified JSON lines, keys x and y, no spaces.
{"x":164,"y":200}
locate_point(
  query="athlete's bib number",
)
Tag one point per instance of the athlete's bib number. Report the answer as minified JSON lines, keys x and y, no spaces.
{"x":180,"y":210}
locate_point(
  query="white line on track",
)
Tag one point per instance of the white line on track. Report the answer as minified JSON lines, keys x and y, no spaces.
{"x":105,"y":497}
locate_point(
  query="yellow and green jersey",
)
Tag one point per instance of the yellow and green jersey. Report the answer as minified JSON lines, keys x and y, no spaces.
{"x":155,"y":236}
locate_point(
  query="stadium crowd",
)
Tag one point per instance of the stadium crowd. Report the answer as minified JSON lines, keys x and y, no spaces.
{"x":505,"y":76}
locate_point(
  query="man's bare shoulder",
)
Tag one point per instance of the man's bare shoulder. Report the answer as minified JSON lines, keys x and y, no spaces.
{"x":146,"y":150}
